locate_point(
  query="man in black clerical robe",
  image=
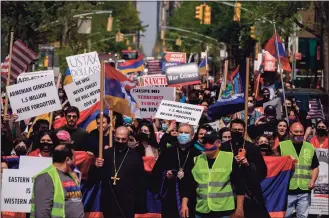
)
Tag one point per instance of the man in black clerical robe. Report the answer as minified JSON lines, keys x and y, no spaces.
{"x":166,"y":173}
{"x":122,"y":195}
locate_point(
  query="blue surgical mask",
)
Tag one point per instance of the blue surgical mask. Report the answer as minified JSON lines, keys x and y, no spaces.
{"x":164,"y":127}
{"x":298,"y":139}
{"x":227,"y":119}
{"x":183,"y":138}
{"x":127,"y":120}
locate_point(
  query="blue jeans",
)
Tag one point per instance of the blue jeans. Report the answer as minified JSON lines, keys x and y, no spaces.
{"x":300,"y":203}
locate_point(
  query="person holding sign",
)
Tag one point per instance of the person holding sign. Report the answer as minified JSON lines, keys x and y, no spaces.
{"x":79,"y":136}
{"x":173,"y":166}
{"x":122,"y":175}
{"x":56,"y":193}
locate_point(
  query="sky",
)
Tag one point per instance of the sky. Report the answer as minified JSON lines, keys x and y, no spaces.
{"x":148,"y":15}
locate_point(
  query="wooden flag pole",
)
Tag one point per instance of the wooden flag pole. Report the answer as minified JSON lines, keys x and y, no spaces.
{"x":246,"y":94}
{"x":224,"y":78}
{"x":9,"y":69}
{"x":102,"y":110}
{"x":111,"y":129}
{"x":52,"y":113}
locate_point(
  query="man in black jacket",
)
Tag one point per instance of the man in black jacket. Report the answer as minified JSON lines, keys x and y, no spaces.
{"x":253,"y":169}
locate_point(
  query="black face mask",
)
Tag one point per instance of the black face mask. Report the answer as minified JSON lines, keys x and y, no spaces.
{"x":193,"y":101}
{"x":265,"y":148}
{"x":321,"y":132}
{"x":20,"y":150}
{"x":121,"y":146}
{"x":237,"y":136}
{"x":143,"y":137}
{"x":45,"y":147}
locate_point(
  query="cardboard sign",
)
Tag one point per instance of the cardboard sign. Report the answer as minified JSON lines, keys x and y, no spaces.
{"x":83,"y":65}
{"x":278,"y":106}
{"x":178,"y":57}
{"x":33,"y":98}
{"x":181,"y":112}
{"x":84,"y":93}
{"x":169,"y":64}
{"x":159,"y":80}
{"x":24,"y":77}
{"x":17,"y":184}
{"x":320,"y":193}
{"x":149,"y":98}
{"x":187,"y":74}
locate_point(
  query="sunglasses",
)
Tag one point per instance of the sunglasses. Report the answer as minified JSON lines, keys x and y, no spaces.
{"x":71,"y":116}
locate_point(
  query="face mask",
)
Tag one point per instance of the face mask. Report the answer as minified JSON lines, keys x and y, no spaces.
{"x":20,"y":150}
{"x":183,"y":138}
{"x":164,"y":127}
{"x":45,"y":147}
{"x":193,"y":101}
{"x":250,"y":105}
{"x":292,"y":121}
{"x":227,"y":119}
{"x":127,"y":120}
{"x":298,"y":139}
{"x":210,"y":147}
{"x":321,"y":132}
{"x":121,"y":146}
{"x":237,"y":136}
{"x":143,"y":137}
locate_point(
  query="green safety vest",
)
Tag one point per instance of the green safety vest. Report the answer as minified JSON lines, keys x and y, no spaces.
{"x":58,"y":210}
{"x":214,"y":191}
{"x":302,"y":174}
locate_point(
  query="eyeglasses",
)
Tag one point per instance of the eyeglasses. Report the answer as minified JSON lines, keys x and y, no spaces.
{"x":71,"y":116}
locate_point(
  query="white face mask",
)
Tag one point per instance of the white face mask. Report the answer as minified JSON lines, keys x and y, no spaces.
{"x":250,"y":104}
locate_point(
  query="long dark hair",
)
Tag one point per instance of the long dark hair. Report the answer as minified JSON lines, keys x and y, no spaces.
{"x":152,"y":140}
{"x":52,"y":136}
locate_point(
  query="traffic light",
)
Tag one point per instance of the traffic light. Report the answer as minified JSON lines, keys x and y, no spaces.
{"x":199,"y":13}
{"x":109,"y":24}
{"x":46,"y":62}
{"x":178,"y":42}
{"x":252,"y":32}
{"x":207,"y":15}
{"x":119,"y":37}
{"x":237,"y":12}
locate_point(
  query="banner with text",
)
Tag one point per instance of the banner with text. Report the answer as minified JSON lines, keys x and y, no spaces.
{"x":24,"y":77}
{"x":159,"y":80}
{"x":181,"y":112}
{"x":17,"y":184}
{"x":33,"y":98}
{"x":84,"y":93}
{"x":83,"y":65}
{"x":173,"y":59}
{"x":187,"y":74}
{"x":320,"y":193}
{"x":149,"y":98}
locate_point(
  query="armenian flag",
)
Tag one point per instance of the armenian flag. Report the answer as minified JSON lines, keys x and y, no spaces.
{"x":132,"y":65}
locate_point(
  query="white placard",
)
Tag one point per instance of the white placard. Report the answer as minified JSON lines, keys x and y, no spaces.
{"x":33,"y":98}
{"x":83,"y":65}
{"x":24,"y":77}
{"x":34,"y":164}
{"x":149,"y":98}
{"x":278,"y":106}
{"x":84,"y":93}
{"x":181,"y":112}
{"x":320,"y":194}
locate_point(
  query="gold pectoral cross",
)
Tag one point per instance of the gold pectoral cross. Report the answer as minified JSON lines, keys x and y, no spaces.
{"x":115,"y":178}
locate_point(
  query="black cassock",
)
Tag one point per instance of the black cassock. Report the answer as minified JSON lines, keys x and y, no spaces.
{"x":168,"y":160}
{"x":127,"y":197}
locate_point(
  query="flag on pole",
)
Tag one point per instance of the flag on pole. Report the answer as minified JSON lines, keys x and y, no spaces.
{"x":203,"y":66}
{"x":132,"y":65}
{"x":271,"y":48}
{"x":22,"y":56}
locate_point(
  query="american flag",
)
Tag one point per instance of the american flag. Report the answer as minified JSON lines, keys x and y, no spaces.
{"x":316,"y":109}
{"x":154,"y":67}
{"x":21,"y":58}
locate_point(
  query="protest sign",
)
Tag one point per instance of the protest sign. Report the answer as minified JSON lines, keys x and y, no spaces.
{"x":84,"y":93}
{"x":83,"y":65}
{"x":16,"y":190}
{"x":34,"y":165}
{"x":149,"y":98}
{"x":181,"y":112}
{"x":214,"y":125}
{"x":277,"y":104}
{"x":320,"y":194}
{"x":159,"y":80}
{"x":33,"y":98}
{"x":173,"y":59}
{"x":24,"y":77}
{"x":187,"y":74}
